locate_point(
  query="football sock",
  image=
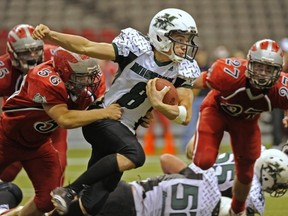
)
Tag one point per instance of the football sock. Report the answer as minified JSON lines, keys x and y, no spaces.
{"x":74,"y":209}
{"x":237,"y":206}
{"x":104,"y":167}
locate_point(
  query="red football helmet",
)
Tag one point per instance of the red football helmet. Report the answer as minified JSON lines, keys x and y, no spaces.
{"x":80,"y":73}
{"x":265,"y":61}
{"x":24,"y":51}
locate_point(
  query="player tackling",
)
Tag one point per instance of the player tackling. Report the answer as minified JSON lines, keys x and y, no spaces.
{"x":168,"y":53}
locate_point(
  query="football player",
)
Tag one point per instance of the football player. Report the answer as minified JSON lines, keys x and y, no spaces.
{"x":24,"y":53}
{"x":240,"y":91}
{"x":170,"y":194}
{"x":53,"y":94}
{"x":190,"y":192}
{"x":270,"y":176}
{"x":168,"y":52}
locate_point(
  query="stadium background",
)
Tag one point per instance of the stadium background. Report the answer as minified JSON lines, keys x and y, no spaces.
{"x":235,"y":24}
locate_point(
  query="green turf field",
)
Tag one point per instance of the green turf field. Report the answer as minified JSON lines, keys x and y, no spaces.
{"x":77,"y":163}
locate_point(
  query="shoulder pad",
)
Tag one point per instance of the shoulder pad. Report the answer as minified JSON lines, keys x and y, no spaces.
{"x":188,"y":70}
{"x":130,"y":40}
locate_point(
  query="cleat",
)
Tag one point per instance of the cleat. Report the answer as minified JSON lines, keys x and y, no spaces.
{"x":62,"y":198}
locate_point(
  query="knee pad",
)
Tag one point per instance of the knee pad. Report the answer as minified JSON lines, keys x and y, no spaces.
{"x":14,"y":189}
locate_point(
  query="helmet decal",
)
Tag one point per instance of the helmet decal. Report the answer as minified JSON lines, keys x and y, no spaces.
{"x":163,"y":22}
{"x":273,"y":169}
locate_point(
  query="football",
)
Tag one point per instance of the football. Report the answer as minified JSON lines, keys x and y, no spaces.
{"x":171,"y":96}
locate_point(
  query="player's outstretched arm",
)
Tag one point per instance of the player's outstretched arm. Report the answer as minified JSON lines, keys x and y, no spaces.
{"x":75,"y":43}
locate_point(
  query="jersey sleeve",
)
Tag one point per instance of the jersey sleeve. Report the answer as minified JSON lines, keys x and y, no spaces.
{"x":224,"y":74}
{"x":49,"y":51}
{"x":46,"y":87}
{"x":188,"y":71}
{"x":278,"y":94}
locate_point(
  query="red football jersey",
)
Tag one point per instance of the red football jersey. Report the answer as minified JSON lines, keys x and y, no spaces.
{"x":233,"y":93}
{"x":24,"y":119}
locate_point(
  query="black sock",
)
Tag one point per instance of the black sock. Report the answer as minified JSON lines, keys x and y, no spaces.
{"x":104,"y":167}
{"x":74,"y":209}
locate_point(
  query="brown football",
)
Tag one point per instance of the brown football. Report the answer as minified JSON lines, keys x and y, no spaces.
{"x":171,"y":96}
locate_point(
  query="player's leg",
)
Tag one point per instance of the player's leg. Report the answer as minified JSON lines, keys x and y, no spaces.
{"x":119,"y":150}
{"x":45,"y":172}
{"x":208,"y":136}
{"x":246,"y":146}
{"x":59,"y":141}
{"x":10,"y":173}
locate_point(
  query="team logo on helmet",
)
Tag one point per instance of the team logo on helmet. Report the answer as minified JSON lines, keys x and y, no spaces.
{"x":163,"y":22}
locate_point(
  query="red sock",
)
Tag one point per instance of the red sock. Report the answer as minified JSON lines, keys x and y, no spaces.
{"x":237,"y":206}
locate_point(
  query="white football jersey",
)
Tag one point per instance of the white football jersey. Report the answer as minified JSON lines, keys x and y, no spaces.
{"x":137,"y":66}
{"x":224,"y":169}
{"x":195,"y":192}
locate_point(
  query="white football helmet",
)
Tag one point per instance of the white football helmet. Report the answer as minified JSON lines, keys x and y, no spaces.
{"x":164,"y":24}
{"x":24,"y":51}
{"x":272,"y":170}
{"x":266,"y":52}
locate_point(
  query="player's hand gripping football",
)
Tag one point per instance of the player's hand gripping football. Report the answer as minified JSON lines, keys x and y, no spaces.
{"x":41,"y":32}
{"x":114,"y":111}
{"x":155,"y":96}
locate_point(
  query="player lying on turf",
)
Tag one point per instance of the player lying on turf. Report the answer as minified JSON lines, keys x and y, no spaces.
{"x":192,"y":190}
{"x":270,"y":175}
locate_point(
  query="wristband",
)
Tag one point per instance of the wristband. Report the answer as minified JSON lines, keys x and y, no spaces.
{"x":182,"y":115}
